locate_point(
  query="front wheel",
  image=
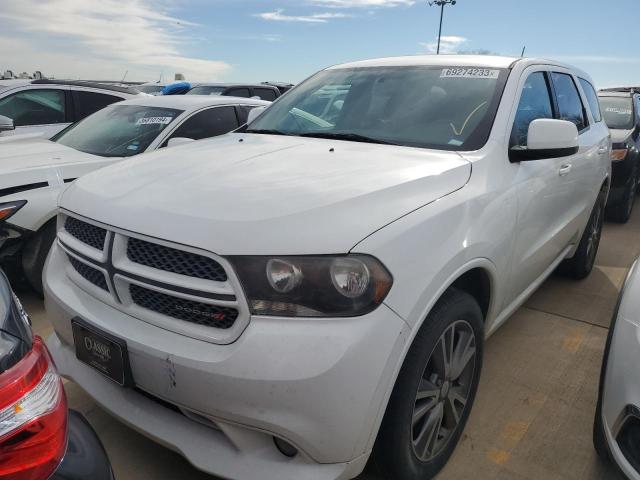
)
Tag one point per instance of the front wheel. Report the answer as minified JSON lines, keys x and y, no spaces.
{"x":582,"y":263}
{"x":434,"y":393}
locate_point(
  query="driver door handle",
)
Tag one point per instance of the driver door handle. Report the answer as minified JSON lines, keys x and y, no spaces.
{"x":602,"y":150}
{"x":564,"y":169}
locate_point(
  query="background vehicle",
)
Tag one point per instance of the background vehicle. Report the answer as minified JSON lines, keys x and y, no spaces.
{"x":151,"y":88}
{"x":33,"y":172}
{"x":282,"y":86}
{"x":617,"y":421}
{"x":321,"y":285}
{"x":620,"y":111}
{"x":262,"y":91}
{"x":45,"y":107}
{"x":38,"y":436}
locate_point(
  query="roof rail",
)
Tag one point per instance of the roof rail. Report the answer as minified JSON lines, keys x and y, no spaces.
{"x":81,"y":83}
{"x":622,"y":89}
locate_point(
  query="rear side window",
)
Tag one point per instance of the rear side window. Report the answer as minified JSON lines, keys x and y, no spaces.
{"x":592,"y":99}
{"x":208,"y":123}
{"x":243,"y":112}
{"x":238,"y":92}
{"x":86,"y":103}
{"x":535,"y":103}
{"x":265,"y":94}
{"x":35,"y":107}
{"x":569,"y":103}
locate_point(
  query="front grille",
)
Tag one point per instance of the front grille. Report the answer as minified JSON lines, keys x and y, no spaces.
{"x":187,"y":310}
{"x":89,"y":273}
{"x":85,"y":232}
{"x":174,"y":260}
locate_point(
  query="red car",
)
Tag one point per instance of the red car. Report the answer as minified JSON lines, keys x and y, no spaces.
{"x":40,"y":438}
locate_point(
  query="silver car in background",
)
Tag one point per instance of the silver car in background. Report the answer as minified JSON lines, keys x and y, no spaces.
{"x":616,"y":430}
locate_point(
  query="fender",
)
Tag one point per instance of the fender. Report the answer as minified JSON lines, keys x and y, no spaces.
{"x":386,"y":384}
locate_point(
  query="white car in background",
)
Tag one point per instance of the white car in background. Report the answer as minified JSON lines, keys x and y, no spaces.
{"x":616,"y":429}
{"x":33,"y":172}
{"x":45,"y":107}
{"x":318,"y":289}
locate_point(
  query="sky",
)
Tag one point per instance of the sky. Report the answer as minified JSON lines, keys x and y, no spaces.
{"x":287,"y":40}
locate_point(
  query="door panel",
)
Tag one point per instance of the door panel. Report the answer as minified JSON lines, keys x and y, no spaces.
{"x":543,"y":195}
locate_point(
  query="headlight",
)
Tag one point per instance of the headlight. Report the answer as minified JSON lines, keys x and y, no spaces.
{"x":7,"y":209}
{"x":313,"y":286}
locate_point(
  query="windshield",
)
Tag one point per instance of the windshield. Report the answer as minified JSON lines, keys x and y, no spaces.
{"x":431,"y":107}
{"x":617,"y":112}
{"x":204,"y":90}
{"x":150,"y":89}
{"x":118,"y":130}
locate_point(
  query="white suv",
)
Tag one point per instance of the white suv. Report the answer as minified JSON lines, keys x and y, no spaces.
{"x":286,"y":301}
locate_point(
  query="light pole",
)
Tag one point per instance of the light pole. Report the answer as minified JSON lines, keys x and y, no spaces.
{"x":441,"y":4}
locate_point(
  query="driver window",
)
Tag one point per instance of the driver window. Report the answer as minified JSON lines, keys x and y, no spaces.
{"x":535,"y":103}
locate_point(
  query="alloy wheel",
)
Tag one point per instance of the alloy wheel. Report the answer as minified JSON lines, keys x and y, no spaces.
{"x":444,"y":390}
{"x":595,"y":231}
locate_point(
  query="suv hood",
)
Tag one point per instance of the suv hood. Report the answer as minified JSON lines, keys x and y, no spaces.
{"x":261,"y":194}
{"x":26,"y":153}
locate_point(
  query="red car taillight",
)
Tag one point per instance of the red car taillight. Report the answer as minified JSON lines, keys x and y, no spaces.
{"x":33,"y":417}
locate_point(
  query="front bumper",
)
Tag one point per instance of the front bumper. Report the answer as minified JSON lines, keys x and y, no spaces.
{"x":319,"y":384}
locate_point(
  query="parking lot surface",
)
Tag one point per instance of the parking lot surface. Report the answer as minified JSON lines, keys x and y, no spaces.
{"x":534,"y":411}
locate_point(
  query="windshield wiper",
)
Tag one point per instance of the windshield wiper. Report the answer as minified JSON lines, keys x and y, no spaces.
{"x":352,"y":137}
{"x":266,"y":131}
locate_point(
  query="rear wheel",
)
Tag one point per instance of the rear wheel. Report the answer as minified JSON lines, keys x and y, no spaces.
{"x":435,"y":390}
{"x":621,"y":212}
{"x":34,"y":254}
{"x":581,"y":264}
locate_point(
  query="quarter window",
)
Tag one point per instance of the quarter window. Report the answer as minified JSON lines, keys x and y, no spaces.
{"x":265,"y":94}
{"x":209,"y":123}
{"x":86,"y":103}
{"x":569,"y":103}
{"x":592,"y":99}
{"x":535,"y":103}
{"x":35,"y":107}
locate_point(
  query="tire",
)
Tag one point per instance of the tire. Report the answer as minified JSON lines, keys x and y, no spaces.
{"x":599,"y":437}
{"x":35,"y":252}
{"x":582,"y":263}
{"x":621,"y":212}
{"x":405,"y":449}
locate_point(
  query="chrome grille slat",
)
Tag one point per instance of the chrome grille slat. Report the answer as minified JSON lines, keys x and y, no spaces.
{"x":86,"y":233}
{"x":173,"y":260}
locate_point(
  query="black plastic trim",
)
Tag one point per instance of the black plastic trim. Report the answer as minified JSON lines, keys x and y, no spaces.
{"x":524,"y":155}
{"x":4,"y":192}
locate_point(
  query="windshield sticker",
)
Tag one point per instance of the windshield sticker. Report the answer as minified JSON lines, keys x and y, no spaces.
{"x":464,"y":72}
{"x":455,"y":142}
{"x":132,"y":147}
{"x":618,"y":110}
{"x":154,"y":121}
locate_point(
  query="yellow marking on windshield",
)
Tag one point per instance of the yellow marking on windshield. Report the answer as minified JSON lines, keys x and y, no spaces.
{"x":464,"y":125}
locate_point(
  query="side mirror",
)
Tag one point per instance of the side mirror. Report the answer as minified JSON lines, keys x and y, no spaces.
{"x":547,"y":138}
{"x":6,"y":124}
{"x":179,"y":141}
{"x":254,"y":113}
